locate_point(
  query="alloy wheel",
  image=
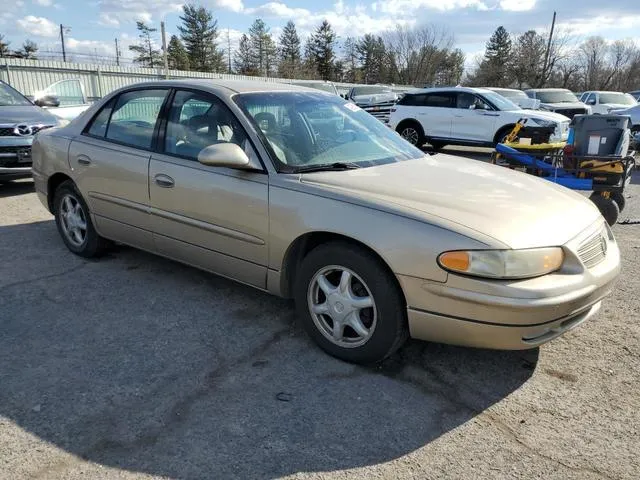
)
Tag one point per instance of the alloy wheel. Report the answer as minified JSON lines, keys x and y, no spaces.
{"x":411,"y":135}
{"x":73,"y":220}
{"x":342,"y":306}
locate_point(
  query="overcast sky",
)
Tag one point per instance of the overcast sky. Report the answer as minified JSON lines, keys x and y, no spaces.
{"x":95,"y":24}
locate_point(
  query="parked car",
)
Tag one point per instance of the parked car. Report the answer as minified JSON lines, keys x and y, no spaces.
{"x":635,"y":94}
{"x":71,"y":100}
{"x":465,"y":116}
{"x":375,"y":240}
{"x":603,"y":102}
{"x":324,"y":86}
{"x":632,"y":112}
{"x":518,"y":97}
{"x":559,"y":100}
{"x":20,"y":120}
{"x":374,"y":99}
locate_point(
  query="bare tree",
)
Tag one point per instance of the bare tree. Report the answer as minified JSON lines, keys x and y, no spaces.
{"x":417,"y":54}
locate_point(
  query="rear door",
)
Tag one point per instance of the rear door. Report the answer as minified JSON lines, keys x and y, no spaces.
{"x":474,"y":119}
{"x":215,"y":218}
{"x":111,"y":163}
{"x":436,"y":116}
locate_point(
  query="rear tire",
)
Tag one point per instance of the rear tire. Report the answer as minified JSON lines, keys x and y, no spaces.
{"x":362,"y":319}
{"x":74,"y":223}
{"x":412,"y":132}
{"x":607,"y":206}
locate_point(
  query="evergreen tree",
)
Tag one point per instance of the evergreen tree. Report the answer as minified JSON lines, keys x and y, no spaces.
{"x":263,"y":48}
{"x":4,"y":47}
{"x":495,"y":68}
{"x":322,"y":52}
{"x":177,"y":55}
{"x":290,"y":59}
{"x":147,"y":55}
{"x":371,"y":54}
{"x":199,"y":32}
{"x":29,"y":50}
{"x":242,"y":60}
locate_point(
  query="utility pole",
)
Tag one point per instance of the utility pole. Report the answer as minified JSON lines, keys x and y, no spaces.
{"x":229,"y":49}
{"x":546,"y":55}
{"x":165,"y":56}
{"x":64,"y":53}
{"x":117,"y":53}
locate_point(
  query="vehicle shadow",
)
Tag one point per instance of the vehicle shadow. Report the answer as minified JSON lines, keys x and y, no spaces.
{"x":15,"y":188}
{"x":139,"y":363}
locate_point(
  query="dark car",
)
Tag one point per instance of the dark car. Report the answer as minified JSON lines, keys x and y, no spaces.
{"x":20,"y":120}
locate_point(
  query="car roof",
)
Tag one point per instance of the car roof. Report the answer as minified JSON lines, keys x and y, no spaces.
{"x":449,"y":89}
{"x":228,"y":87}
{"x":601,"y":91}
{"x":548,"y":90}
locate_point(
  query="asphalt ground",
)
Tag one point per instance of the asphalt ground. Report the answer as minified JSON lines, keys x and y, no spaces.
{"x":133,"y":366}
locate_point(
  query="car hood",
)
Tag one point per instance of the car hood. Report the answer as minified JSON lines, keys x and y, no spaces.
{"x":564,"y":105}
{"x":551,"y":116}
{"x":516,"y":209}
{"x":376,"y":98}
{"x":617,"y":106}
{"x":26,"y":114}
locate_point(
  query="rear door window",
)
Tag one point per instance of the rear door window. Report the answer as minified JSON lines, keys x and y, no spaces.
{"x":441,"y":100}
{"x":134,"y":117}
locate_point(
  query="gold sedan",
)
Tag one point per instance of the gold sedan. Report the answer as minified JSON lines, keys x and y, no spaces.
{"x":304,"y":195}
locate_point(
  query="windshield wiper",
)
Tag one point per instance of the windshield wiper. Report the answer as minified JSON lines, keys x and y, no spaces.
{"x":336,"y":166}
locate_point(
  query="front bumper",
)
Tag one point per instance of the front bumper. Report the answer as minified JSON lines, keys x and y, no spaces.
{"x":15,"y":157}
{"x":517,"y":314}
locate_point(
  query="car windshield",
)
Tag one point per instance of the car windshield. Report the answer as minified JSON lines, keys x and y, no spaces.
{"x":557,"y":96}
{"x":307,"y":130}
{"x":512,"y":93}
{"x":617,"y":98}
{"x":10,"y":97}
{"x":325,"y":87}
{"x":357,"y":91}
{"x":500,"y":102}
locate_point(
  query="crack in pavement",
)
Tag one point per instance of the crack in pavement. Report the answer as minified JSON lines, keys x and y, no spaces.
{"x":177,"y":415}
{"x":451,"y":394}
{"x":43,"y":277}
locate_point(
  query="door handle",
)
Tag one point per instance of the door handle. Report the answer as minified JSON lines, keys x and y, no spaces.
{"x":164,"y":181}
{"x":491,"y":114}
{"x":84,"y":160}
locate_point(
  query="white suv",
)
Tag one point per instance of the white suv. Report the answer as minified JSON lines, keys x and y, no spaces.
{"x":465,"y":116}
{"x":604,"y":102}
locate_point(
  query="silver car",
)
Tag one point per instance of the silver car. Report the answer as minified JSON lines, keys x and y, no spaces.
{"x":301,"y":194}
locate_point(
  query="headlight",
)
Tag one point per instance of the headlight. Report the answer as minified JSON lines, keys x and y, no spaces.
{"x":544,"y":123}
{"x":503,"y":264}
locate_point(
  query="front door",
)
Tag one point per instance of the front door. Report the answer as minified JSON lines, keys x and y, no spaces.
{"x":474,"y":120}
{"x":212,"y":217}
{"x":111,"y":164}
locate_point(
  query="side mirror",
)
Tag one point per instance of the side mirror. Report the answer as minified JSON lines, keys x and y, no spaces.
{"x":224,"y":155}
{"x":47,"y":101}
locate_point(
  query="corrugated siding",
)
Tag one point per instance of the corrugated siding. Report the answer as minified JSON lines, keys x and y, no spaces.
{"x":31,"y":76}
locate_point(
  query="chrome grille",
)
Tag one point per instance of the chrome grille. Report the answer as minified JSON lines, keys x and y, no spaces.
{"x":381,"y":110}
{"x":593,"y":250}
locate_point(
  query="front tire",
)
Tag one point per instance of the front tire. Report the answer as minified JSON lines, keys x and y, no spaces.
{"x":350,"y":304}
{"x":607,"y":206}
{"x":74,"y":222}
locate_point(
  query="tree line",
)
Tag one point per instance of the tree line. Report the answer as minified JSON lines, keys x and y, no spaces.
{"x":28,"y":49}
{"x":410,"y":56}
{"x":530,"y":60}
